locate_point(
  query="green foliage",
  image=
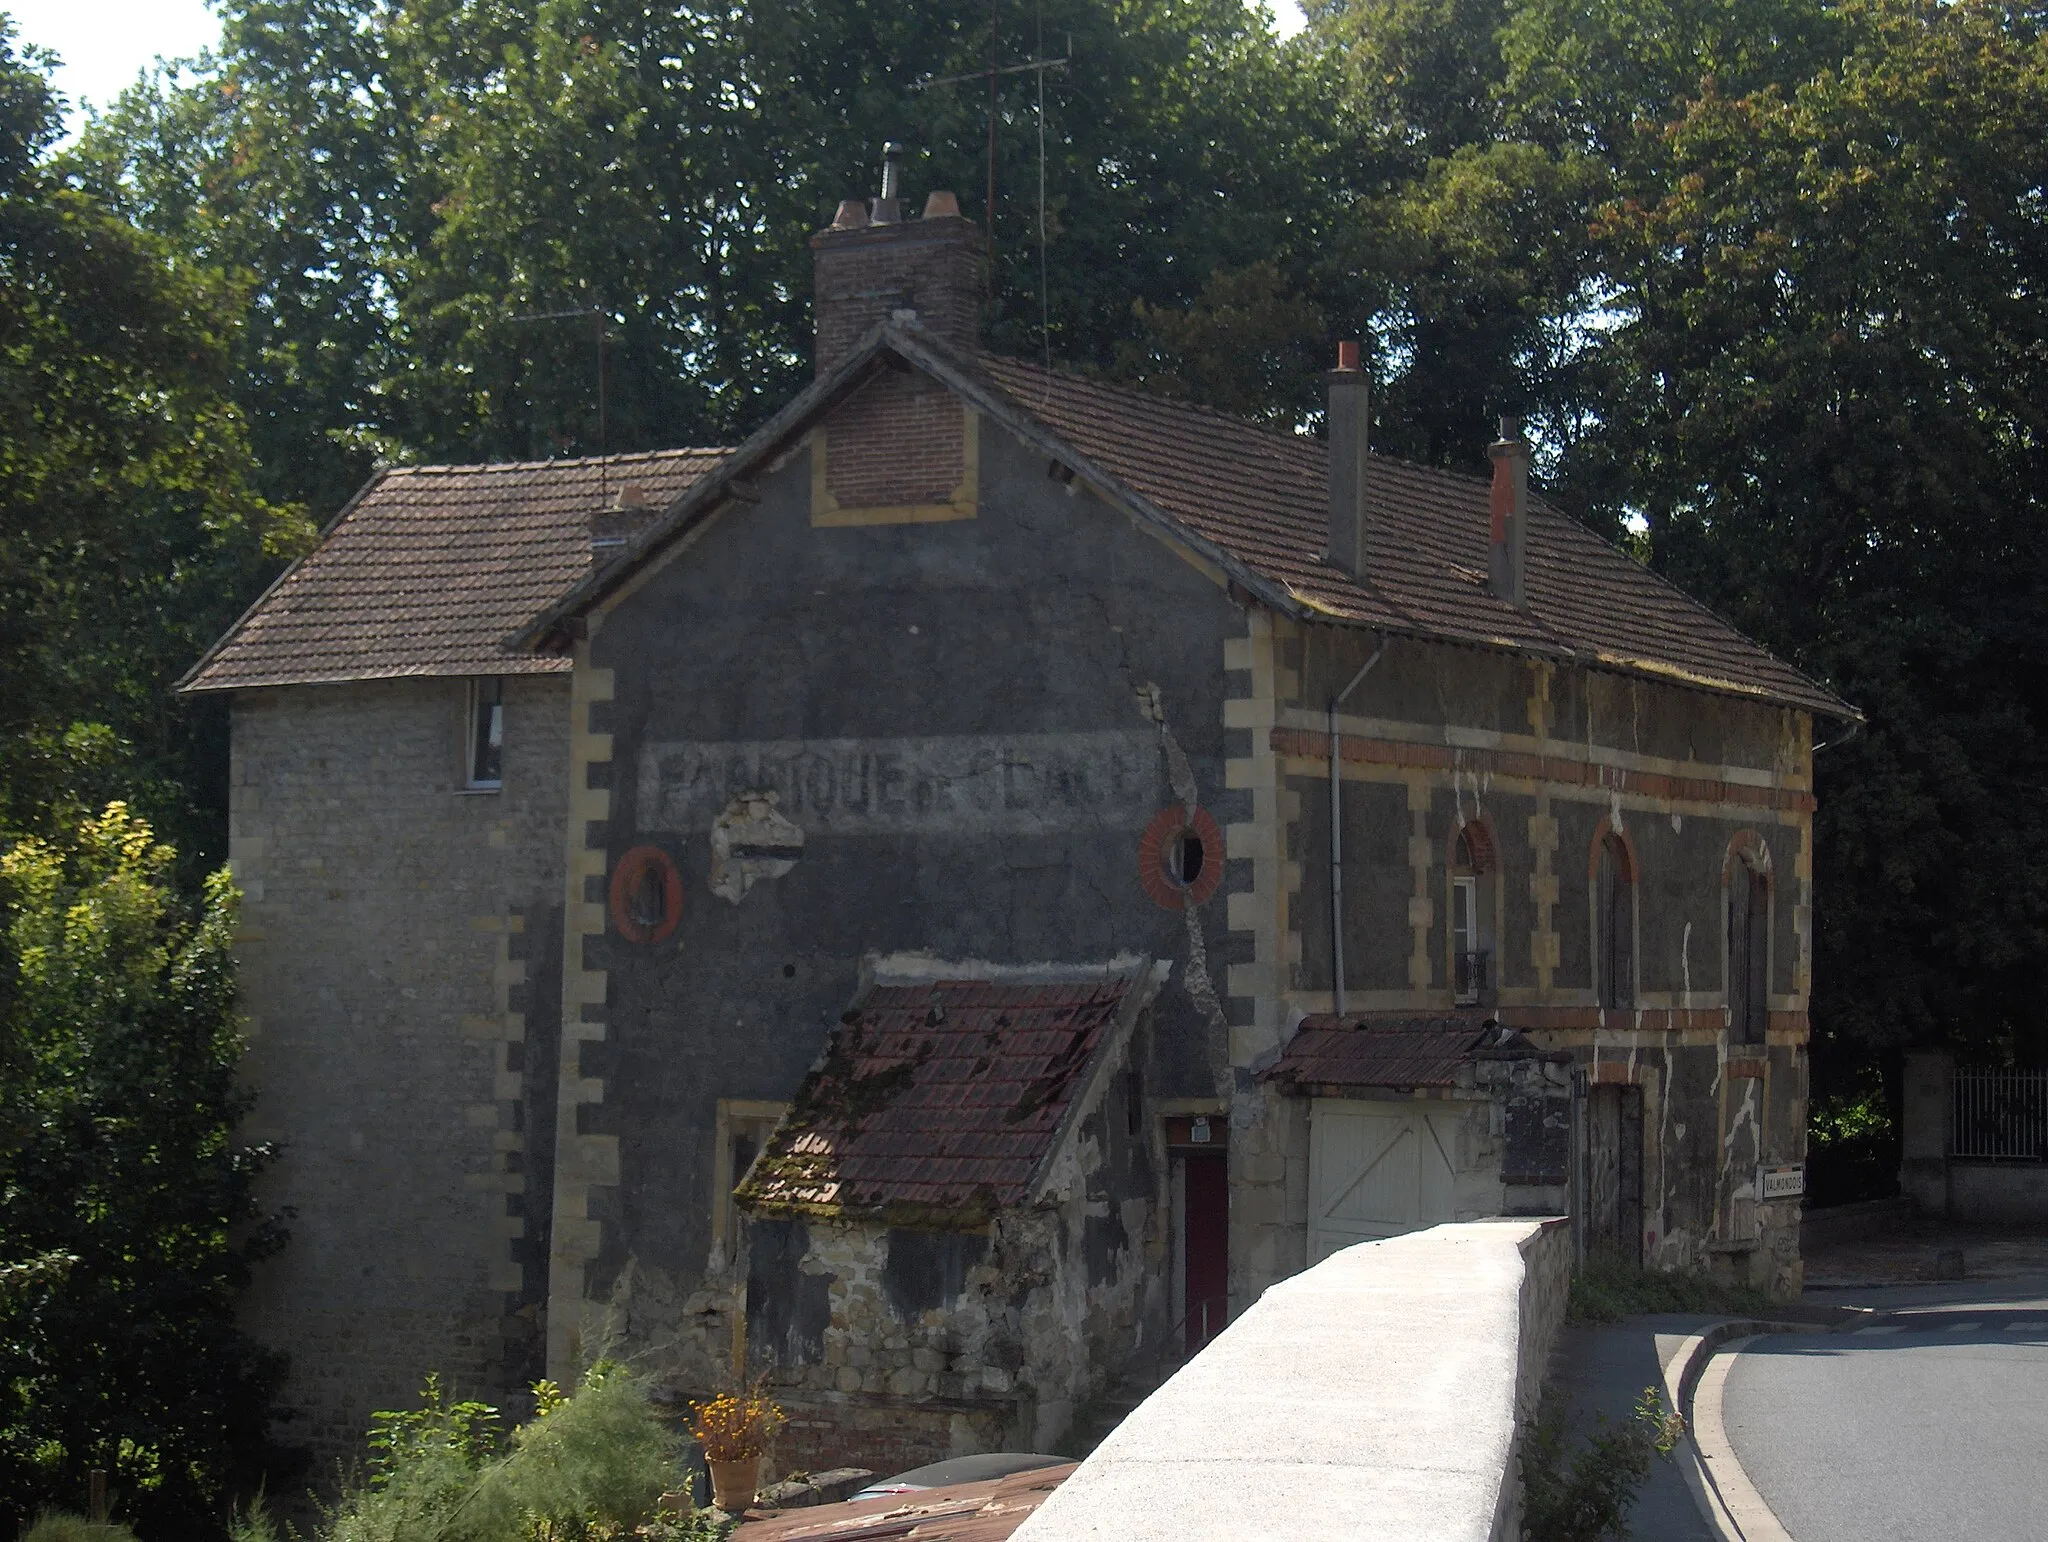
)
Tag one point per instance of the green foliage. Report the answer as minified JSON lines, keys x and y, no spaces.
{"x":1606,"y":1288}
{"x":1825,"y":405}
{"x":1587,"y":1498}
{"x":407,"y":189}
{"x":63,"y":1526}
{"x":586,"y":1468}
{"x":122,"y":1185}
{"x":129,"y":532}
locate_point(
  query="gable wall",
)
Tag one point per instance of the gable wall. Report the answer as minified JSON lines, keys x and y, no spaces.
{"x":968,"y":725}
{"x":399,"y":955}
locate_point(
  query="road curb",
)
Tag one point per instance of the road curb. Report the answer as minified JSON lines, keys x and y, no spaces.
{"x":1733,"y":1509}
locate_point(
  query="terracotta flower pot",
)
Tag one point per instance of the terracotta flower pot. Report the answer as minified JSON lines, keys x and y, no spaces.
{"x":733,"y":1483}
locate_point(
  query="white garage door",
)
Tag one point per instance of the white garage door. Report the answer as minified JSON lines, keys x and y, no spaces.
{"x":1375,"y":1170}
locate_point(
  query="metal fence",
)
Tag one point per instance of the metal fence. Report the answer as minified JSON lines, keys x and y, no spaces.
{"x":2000,"y":1114}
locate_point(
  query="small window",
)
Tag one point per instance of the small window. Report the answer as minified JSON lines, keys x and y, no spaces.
{"x":1467,"y":954}
{"x":1749,"y":951}
{"x":743,"y":1129}
{"x":1614,"y":928}
{"x":1184,"y":859}
{"x":1472,"y":901}
{"x":487,"y":733}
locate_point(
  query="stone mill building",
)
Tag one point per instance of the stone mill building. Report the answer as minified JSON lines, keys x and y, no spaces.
{"x":947,"y":900}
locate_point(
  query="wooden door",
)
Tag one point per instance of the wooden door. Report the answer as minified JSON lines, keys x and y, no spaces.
{"x":1376,"y":1170}
{"x":1613,"y":1182}
{"x":1205,"y":1240}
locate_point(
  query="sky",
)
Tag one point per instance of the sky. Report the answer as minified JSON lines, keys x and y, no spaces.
{"x":104,"y":44}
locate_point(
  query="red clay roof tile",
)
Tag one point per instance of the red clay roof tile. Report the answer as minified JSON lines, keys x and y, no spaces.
{"x":431,"y":568}
{"x":1414,"y":1052}
{"x":1263,"y":496}
{"x":943,"y":1097}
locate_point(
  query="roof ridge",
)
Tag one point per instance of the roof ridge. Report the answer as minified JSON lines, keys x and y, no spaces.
{"x":560,"y":463}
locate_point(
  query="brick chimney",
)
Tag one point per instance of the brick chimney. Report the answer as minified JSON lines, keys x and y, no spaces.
{"x":1506,"y":565}
{"x":1350,"y":441}
{"x":871,"y":263}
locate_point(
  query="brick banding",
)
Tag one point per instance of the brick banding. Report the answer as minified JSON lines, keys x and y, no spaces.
{"x":1307,"y":744}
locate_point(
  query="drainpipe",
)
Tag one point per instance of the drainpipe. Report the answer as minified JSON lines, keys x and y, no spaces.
{"x":1337,"y":833}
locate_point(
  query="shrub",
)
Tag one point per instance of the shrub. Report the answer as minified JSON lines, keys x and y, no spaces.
{"x":128,"y":1219}
{"x":62,"y":1526}
{"x":1588,"y":1499}
{"x":587,"y":1468}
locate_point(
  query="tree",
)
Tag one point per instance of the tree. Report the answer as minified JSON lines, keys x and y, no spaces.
{"x":1827,"y":408}
{"x":123,"y":1185}
{"x":408,"y":188}
{"x":129,"y":534}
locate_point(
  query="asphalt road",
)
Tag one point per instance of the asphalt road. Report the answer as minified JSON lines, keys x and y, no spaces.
{"x":1927,"y":1424}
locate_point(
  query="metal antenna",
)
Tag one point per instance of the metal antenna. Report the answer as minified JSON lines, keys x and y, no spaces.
{"x":596,"y":312}
{"x":991,"y":74}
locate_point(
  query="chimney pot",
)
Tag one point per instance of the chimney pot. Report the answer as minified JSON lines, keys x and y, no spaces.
{"x":1350,"y":424}
{"x":1508,"y":511}
{"x":873,"y":263}
{"x":892,"y":169}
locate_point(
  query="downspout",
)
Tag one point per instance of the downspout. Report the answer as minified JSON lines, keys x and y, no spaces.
{"x":1337,"y":833}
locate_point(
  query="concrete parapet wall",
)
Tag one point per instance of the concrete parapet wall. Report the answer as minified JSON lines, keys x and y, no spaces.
{"x":1378,"y":1395}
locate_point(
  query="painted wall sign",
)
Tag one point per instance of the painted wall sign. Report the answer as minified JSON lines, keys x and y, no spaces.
{"x":956,"y":785}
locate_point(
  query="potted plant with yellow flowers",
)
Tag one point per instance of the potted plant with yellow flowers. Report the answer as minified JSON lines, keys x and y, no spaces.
{"x":735,"y":1430}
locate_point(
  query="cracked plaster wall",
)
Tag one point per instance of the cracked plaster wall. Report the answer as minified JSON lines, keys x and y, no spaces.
{"x":1549,"y":757}
{"x":1048,"y":623}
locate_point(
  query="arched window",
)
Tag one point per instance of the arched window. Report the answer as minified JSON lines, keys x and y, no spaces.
{"x":1614,"y":923}
{"x":1749,"y":946}
{"x":1471,"y":929}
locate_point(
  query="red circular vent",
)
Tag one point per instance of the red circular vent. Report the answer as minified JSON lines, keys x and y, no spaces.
{"x":1180,"y":856}
{"x":646,"y":895}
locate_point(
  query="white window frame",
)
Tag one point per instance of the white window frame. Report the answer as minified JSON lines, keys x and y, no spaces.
{"x":1464,"y":929}
{"x":486,"y":694}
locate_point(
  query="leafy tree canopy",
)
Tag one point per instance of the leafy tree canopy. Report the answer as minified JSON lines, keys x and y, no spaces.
{"x":129,"y":532}
{"x":127,"y":1225}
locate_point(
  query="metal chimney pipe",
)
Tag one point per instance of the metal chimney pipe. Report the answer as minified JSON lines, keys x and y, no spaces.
{"x":892,"y":168}
{"x":1350,"y":421}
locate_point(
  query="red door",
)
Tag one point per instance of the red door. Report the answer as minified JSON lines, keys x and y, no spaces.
{"x":1206,"y":1238}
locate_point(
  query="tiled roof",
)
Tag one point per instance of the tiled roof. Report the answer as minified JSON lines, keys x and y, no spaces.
{"x":940,"y":1098}
{"x":1263,"y":496}
{"x":988,"y":1511}
{"x":434,"y":567}
{"x":431,"y":568}
{"x":1347,"y":1052}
